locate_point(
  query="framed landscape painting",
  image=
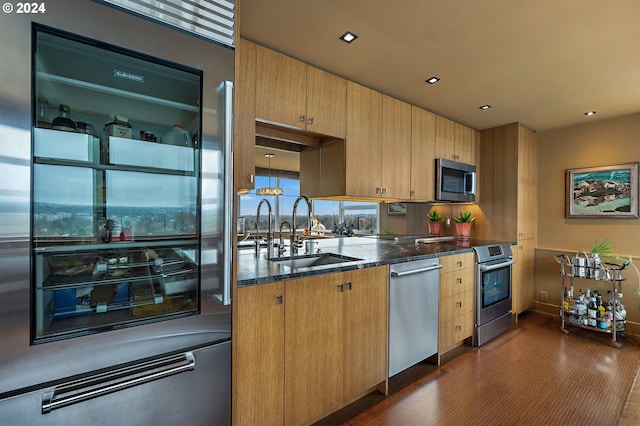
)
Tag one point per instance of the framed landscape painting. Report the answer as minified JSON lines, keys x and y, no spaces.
{"x":601,"y":192}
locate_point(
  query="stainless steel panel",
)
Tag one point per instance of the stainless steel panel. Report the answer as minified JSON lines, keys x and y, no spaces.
{"x":197,"y":395}
{"x":413,"y":313}
{"x":491,"y":329}
{"x":21,"y":363}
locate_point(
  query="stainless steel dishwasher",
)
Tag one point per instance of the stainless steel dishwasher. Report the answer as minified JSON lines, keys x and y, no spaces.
{"x":413,"y":313}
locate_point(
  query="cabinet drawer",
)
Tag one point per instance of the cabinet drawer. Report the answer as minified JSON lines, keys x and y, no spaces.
{"x":456,"y":305}
{"x":457,"y":262}
{"x":456,"y":282}
{"x":454,"y":331}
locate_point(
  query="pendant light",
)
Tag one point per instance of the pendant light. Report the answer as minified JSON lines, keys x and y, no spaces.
{"x":269,"y":190}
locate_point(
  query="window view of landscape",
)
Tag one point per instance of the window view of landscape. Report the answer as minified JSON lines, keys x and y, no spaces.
{"x":361,"y":218}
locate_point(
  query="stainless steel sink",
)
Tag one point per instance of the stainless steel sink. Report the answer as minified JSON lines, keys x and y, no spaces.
{"x":312,"y":260}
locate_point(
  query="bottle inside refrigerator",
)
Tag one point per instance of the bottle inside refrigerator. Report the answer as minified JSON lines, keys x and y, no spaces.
{"x":116,"y":238}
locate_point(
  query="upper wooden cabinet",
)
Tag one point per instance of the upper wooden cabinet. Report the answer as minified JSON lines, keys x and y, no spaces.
{"x":508,"y":182}
{"x":395,"y":160}
{"x":373,"y":162}
{"x":363,"y":149}
{"x":455,"y":141}
{"x":244,"y":133}
{"x":423,"y":141}
{"x":292,"y":94}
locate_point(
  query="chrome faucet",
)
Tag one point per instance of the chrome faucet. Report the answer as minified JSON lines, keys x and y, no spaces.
{"x":295,"y":241}
{"x":281,"y":247}
{"x":269,"y":236}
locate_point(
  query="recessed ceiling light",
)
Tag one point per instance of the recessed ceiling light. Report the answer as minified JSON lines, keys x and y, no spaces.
{"x":485,"y":107}
{"x":433,"y":80}
{"x":590,"y":113}
{"x":348,"y":37}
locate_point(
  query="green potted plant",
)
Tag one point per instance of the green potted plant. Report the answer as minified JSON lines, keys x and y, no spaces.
{"x":435,"y":223}
{"x":463,"y":225}
{"x":613,"y":262}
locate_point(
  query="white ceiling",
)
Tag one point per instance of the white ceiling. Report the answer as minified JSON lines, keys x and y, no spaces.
{"x":542,"y":63}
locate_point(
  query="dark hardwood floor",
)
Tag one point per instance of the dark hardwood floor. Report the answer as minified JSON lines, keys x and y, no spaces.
{"x":531,"y":375}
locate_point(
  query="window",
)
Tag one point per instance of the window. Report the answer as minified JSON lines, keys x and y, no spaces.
{"x":361,"y":217}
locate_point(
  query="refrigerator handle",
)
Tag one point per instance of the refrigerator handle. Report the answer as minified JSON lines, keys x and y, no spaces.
{"x":225,"y":89}
{"x":113,"y":381}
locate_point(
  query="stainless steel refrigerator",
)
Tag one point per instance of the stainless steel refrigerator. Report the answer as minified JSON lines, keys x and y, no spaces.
{"x":115,"y":214}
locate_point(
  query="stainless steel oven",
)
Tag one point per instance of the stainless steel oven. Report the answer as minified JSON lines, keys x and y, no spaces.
{"x":493,"y":291}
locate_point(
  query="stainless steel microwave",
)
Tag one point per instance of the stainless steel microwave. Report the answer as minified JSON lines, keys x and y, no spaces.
{"x":455,"y":181}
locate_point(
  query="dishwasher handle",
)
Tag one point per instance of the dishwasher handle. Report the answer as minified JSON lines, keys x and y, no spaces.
{"x":395,"y":274}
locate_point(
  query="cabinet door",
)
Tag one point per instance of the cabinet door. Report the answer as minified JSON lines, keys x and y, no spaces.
{"x":423,"y":150}
{"x":465,"y":138}
{"x":326,"y":103}
{"x":281,"y":89}
{"x":395,"y":160}
{"x":244,"y":139}
{"x":366,"y":330}
{"x":363,"y":146}
{"x":527,"y":184}
{"x":522,"y":280}
{"x":445,"y":138}
{"x":258,"y":355}
{"x":313,"y":348}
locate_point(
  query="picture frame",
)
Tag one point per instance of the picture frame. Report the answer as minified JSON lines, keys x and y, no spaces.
{"x":396,"y":209}
{"x":602,"y":192}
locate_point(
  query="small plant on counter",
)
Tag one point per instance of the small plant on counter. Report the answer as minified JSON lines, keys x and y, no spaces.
{"x":464,"y":217}
{"x":434,"y":216}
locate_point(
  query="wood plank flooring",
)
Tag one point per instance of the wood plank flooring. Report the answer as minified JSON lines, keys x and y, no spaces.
{"x":531,"y":375}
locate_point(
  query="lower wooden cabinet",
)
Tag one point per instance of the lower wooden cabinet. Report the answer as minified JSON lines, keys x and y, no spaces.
{"x":322,"y":348}
{"x":258,"y":355}
{"x":456,"y":300}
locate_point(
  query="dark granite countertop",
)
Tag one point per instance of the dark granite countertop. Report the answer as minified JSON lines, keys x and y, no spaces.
{"x":373,"y":251}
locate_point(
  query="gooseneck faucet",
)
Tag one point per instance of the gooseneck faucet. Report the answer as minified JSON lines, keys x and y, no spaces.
{"x":295,"y":242}
{"x":281,"y":247}
{"x":269,"y":230}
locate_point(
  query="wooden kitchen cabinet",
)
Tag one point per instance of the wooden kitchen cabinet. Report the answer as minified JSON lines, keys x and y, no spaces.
{"x":295,"y":95}
{"x":258,"y":355}
{"x":365,"y":331}
{"x":423,"y":140}
{"x":509,"y":192}
{"x":395,"y":159}
{"x":456,"y":300}
{"x":336,"y":341}
{"x":373,"y":162}
{"x":455,"y":141}
{"x":523,"y":292}
{"x":244,"y":133}
{"x":363,"y":148}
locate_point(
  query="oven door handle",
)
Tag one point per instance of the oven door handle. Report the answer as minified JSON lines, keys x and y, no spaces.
{"x":415,"y":271}
{"x":485,"y":268}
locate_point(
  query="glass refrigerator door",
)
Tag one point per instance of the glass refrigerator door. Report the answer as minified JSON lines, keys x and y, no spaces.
{"x":116,"y":187}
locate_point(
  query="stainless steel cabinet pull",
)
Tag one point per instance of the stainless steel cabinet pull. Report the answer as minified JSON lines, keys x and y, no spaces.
{"x":116,"y":380}
{"x":341,"y":287}
{"x":310,"y":120}
{"x":458,"y":327}
{"x":280,"y":298}
{"x":415,"y":271}
{"x":459,"y":304}
{"x":250,"y":178}
{"x":459,"y":280}
{"x":348,"y":283}
{"x":302,"y":118}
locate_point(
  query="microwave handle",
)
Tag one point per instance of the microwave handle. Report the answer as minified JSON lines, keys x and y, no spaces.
{"x":470,"y":176}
